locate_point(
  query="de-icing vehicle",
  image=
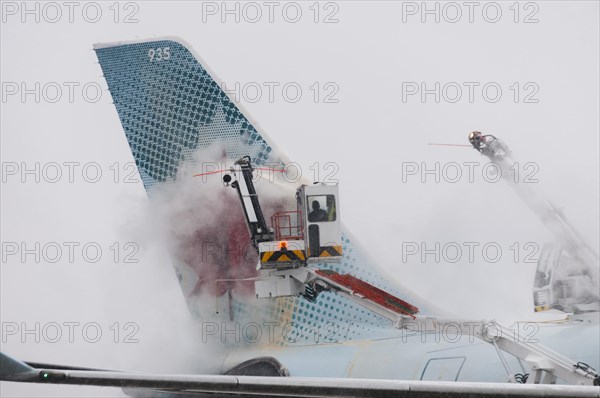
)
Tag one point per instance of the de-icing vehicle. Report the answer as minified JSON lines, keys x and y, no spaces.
{"x":291,"y":249}
{"x":567,"y":270}
{"x":309,"y":234}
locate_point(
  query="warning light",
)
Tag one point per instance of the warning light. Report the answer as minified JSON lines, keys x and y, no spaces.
{"x":283,"y":245}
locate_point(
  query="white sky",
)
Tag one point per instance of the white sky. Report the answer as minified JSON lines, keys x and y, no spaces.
{"x":369,"y":54}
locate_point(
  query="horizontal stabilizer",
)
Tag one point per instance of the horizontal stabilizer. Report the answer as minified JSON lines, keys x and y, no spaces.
{"x":252,"y":386}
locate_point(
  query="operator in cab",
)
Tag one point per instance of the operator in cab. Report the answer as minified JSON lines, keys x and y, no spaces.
{"x":317,"y":214}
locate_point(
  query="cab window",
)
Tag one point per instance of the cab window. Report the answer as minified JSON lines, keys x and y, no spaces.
{"x":321,"y":208}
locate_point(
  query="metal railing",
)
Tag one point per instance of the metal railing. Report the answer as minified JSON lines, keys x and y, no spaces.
{"x":288,"y":225}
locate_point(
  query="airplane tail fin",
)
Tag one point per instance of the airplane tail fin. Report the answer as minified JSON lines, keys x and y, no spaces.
{"x":171,"y":106}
